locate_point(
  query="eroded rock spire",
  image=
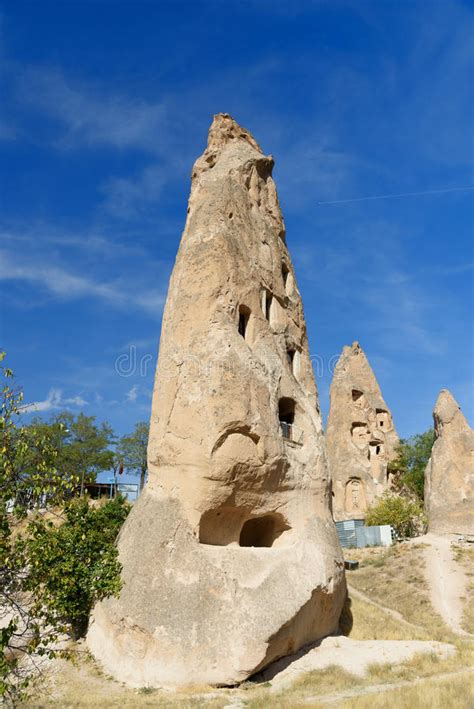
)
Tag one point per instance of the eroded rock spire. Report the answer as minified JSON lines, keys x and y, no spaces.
{"x":449,"y":475}
{"x":360,"y":437}
{"x":230,"y":556}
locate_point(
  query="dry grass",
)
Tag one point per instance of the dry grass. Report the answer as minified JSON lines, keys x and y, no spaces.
{"x":372,"y":623}
{"x":82,"y":683}
{"x":392,"y":578}
{"x":395,"y":579}
{"x":465,"y":556}
{"x":450,"y":692}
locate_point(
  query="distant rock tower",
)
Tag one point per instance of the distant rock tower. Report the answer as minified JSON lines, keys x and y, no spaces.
{"x":449,"y":475}
{"x":230,"y":556}
{"x":360,"y":437}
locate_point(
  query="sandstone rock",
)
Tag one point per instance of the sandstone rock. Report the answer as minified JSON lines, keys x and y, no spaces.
{"x":449,"y":475}
{"x":230,"y":556}
{"x":360,"y":437}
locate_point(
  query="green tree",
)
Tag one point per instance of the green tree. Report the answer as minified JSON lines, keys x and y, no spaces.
{"x":408,"y":468}
{"x":75,"y":564}
{"x":84,"y":450}
{"x":404,"y":515}
{"x":51,"y":569}
{"x":28,"y":476}
{"x":132,"y":451}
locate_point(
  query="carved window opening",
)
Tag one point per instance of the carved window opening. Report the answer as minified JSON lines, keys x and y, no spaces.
{"x":356,"y":395}
{"x":285,"y":272}
{"x":293,"y":356}
{"x":286,"y":416}
{"x":268,"y":306}
{"x":383,"y":419}
{"x":244,"y":315}
{"x":375,"y":449}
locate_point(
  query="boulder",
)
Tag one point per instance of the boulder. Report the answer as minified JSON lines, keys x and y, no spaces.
{"x":230,"y":556}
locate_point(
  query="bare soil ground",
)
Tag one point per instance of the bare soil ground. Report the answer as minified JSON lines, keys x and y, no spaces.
{"x":389,"y":601}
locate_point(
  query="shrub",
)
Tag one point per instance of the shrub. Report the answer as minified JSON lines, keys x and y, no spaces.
{"x":75,"y":564}
{"x":404,"y":515}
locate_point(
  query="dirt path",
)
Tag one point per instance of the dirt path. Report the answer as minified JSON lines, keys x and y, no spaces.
{"x":446,"y":580}
{"x":378,"y":688}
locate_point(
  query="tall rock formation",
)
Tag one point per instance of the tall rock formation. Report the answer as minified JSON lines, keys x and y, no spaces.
{"x":360,"y":437}
{"x":449,"y":475}
{"x":230,"y":556}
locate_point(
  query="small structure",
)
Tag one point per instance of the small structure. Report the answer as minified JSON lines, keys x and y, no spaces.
{"x":108,"y":489}
{"x":97,"y":490}
{"x":354,"y":534}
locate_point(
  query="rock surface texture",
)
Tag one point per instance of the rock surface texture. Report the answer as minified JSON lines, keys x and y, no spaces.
{"x":449,"y":475}
{"x":360,"y":437}
{"x":230,"y":556}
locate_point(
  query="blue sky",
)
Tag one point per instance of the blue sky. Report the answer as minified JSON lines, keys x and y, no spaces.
{"x":105,"y":107}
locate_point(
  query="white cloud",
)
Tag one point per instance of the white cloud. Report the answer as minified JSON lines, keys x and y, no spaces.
{"x":67,"y":285}
{"x":132,"y":394}
{"x":54,"y":400}
{"x":76,"y":401}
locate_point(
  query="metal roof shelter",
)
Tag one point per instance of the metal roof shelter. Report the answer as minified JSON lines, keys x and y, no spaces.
{"x":353,"y":534}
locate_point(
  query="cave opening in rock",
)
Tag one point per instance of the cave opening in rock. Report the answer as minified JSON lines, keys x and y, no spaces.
{"x":383,"y":419}
{"x":286,"y":416}
{"x":260,"y":531}
{"x":244,"y":315}
{"x":268,"y":306}
{"x":290,"y":352}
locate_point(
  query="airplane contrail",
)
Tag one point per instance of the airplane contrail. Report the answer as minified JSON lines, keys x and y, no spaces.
{"x":400,"y":194}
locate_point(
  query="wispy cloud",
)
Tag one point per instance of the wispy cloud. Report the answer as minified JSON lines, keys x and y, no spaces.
{"x":54,"y":400}
{"x":127,"y":197}
{"x":66,"y":285}
{"x":90,"y":117}
{"x":40,"y":234}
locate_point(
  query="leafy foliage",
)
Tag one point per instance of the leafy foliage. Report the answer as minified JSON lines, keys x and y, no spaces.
{"x":408,"y":468}
{"x":48,"y":577}
{"x":84,"y":450}
{"x":75,"y":564}
{"x":132,"y":451}
{"x":28,"y":475}
{"x":406,"y":516}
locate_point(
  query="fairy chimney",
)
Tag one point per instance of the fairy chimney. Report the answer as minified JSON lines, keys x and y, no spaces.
{"x":361,"y":438}
{"x":449,"y":475}
{"x":230,"y":556}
